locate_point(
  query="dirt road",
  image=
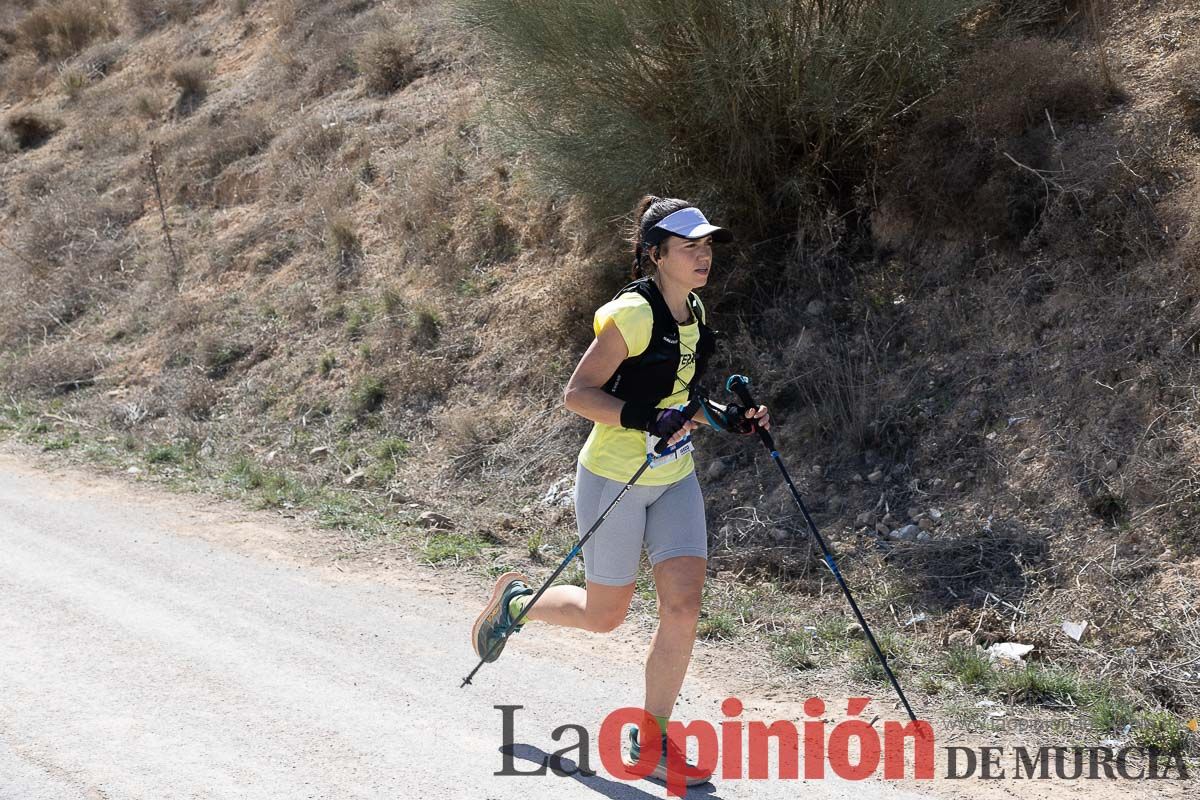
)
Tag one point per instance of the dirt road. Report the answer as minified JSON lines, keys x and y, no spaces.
{"x":170,"y":646}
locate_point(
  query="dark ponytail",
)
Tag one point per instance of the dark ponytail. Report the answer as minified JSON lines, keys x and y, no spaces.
{"x":649,"y":211}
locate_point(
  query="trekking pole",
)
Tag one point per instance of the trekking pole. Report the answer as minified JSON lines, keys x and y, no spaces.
{"x":740,"y":385}
{"x":688,"y":411}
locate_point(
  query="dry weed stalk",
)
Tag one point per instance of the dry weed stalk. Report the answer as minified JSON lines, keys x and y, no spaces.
{"x":152,"y":162}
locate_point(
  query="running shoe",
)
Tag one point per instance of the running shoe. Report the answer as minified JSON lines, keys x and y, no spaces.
{"x":660,"y":771}
{"x":488,"y":635}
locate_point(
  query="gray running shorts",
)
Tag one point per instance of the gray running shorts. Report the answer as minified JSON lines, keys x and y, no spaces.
{"x":667,"y":520}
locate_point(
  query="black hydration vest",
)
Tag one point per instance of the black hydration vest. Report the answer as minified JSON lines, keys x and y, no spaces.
{"x":650,"y":376}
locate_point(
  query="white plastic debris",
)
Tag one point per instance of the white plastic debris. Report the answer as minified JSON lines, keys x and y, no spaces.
{"x":1075,"y":630}
{"x":1009,"y":651}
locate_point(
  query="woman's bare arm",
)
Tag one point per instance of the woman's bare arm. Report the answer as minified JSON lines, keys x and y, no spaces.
{"x":584,"y":394}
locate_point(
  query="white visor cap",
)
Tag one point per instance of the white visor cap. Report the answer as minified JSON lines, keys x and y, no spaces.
{"x":691,"y":224}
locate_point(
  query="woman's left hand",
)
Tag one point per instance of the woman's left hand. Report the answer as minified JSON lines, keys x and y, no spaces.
{"x":761,"y":416}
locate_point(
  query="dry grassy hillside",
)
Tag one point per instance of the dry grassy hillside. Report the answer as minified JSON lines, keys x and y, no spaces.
{"x":371,"y":308}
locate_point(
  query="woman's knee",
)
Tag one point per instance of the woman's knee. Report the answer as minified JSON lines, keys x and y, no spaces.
{"x":682,"y":608}
{"x":608,"y":621}
{"x":607,"y":606}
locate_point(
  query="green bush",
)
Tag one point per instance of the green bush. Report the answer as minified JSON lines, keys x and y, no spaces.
{"x":769,"y":110}
{"x":1160,"y":730}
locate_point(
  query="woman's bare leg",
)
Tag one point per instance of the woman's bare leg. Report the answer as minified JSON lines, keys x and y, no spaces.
{"x":600,"y":607}
{"x":680,"y":583}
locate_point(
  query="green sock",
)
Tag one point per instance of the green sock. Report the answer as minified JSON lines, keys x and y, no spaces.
{"x":517,"y":605}
{"x":662,"y":722}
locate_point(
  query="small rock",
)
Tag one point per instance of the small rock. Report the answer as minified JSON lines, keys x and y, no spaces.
{"x":876,"y":476}
{"x":1075,"y":630}
{"x":817,"y":470}
{"x":1028,"y":454}
{"x":935,"y":514}
{"x":780,"y":535}
{"x":271,"y":456}
{"x":910,"y":531}
{"x":916,"y":618}
{"x":991,"y":437}
{"x":715,"y":470}
{"x":354,"y":478}
{"x":814,"y":308}
{"x":1110,"y":466}
{"x":914,"y":513}
{"x":854,"y":629}
{"x":890,"y":520}
{"x":926,"y":524}
{"x":857,"y":478}
{"x":506,"y":522}
{"x":958,"y":486}
{"x":432,"y":519}
{"x":133,"y":470}
{"x":881,"y":529}
{"x":319,"y":451}
{"x":960,"y":639}
{"x":866,"y":518}
{"x":924,"y":536}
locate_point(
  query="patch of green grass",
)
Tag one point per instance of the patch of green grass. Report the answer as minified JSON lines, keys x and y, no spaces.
{"x":387,"y":454}
{"x":970,"y":667}
{"x":720,"y":625}
{"x":477,"y":286}
{"x":456,"y":547}
{"x":426,"y":326}
{"x":164,"y":454}
{"x":275,"y":489}
{"x":393,"y":303}
{"x":794,"y":650}
{"x":326,"y":364}
{"x":355,"y":323}
{"x":574,"y":575}
{"x":1160,"y":730}
{"x":533,"y":546}
{"x":64,"y":443}
{"x":831,"y":634}
{"x":367,"y":395}
{"x":1109,"y":713}
{"x":1036,"y":685}
{"x":864,"y":663}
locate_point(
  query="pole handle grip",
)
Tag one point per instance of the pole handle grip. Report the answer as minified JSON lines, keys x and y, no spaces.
{"x":688,"y":411}
{"x":740,"y":386}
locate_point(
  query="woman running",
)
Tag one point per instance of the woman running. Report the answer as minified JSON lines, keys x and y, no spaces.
{"x":651,"y":347}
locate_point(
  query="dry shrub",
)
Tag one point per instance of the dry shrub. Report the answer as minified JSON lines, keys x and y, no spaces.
{"x":216,"y":146}
{"x":31,"y":129}
{"x":62,"y":28}
{"x":147,"y":15}
{"x":343,"y":245}
{"x":57,"y":368}
{"x":191,"y":76}
{"x":99,"y":59}
{"x":955,"y":569}
{"x":970,"y":165}
{"x":1101,"y":206}
{"x":1185,"y":82}
{"x":388,"y":60}
{"x":301,"y":155}
{"x":72,"y":250}
{"x":197,"y":397}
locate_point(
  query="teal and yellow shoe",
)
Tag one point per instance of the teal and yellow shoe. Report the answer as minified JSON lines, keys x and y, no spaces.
{"x":694,"y":776}
{"x":488,"y":635}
